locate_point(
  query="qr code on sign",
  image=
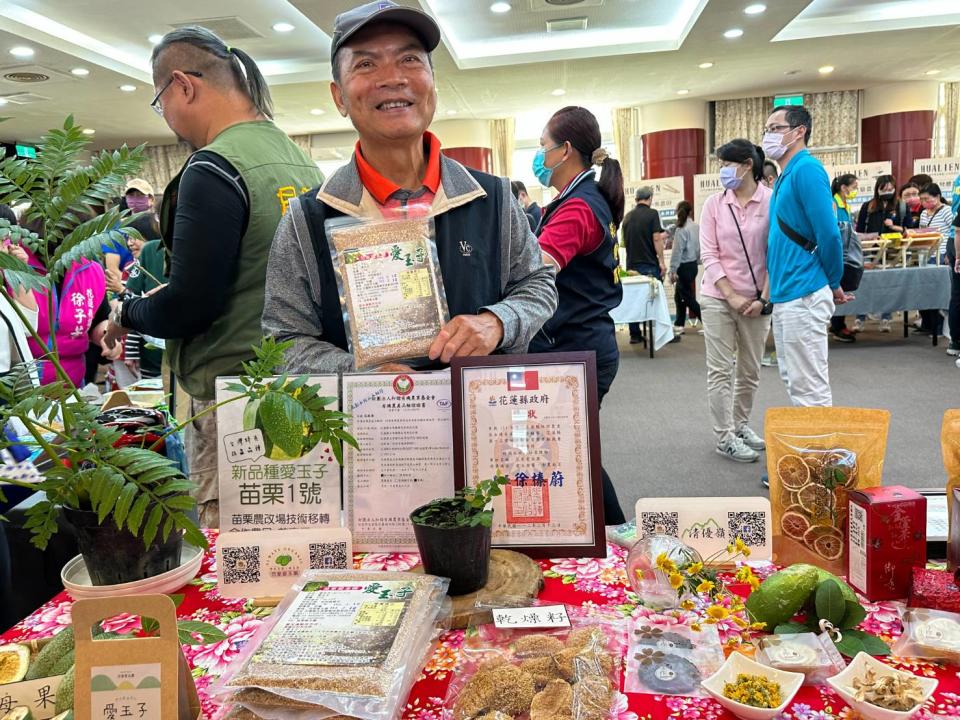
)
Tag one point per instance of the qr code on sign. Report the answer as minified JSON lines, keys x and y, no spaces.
{"x":659,"y":523}
{"x":241,"y":564}
{"x":328,"y":556}
{"x":751,"y":527}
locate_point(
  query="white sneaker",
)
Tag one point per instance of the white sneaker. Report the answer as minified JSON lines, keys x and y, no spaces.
{"x":886,"y":326}
{"x":738,"y":452}
{"x":953,"y":349}
{"x":857,"y":326}
{"x":958,"y":362}
{"x":750,"y":438}
{"x":679,"y":330}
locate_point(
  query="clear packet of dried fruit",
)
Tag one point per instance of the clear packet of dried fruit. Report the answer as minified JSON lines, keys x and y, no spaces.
{"x":929,"y":634}
{"x":815,"y":457}
{"x":390,"y":286}
{"x":349,"y":642}
{"x":540,"y":673}
{"x":812,"y":654}
{"x":950,"y":447}
{"x":671,"y":659}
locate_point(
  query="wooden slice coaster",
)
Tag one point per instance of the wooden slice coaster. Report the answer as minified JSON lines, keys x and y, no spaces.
{"x":511,"y":575}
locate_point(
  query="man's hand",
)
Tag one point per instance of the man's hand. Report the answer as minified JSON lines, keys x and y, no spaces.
{"x":112,"y":337}
{"x":110,"y":352}
{"x":673,"y":278}
{"x":663,"y":269}
{"x":133,"y":366}
{"x":467,"y":335}
{"x":114,"y":281}
{"x":840,"y":297}
{"x":888,"y":222}
{"x":393,"y":368}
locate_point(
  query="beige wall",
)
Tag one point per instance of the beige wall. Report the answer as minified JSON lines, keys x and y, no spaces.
{"x":673,"y":115}
{"x":900,"y":97}
{"x":462,"y":133}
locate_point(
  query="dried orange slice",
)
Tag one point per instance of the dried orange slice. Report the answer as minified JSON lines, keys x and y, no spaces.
{"x":793,"y":472}
{"x":829,"y":546}
{"x":816,"y":500}
{"x":794,"y":524}
{"x":788,"y":498}
{"x":817,"y":531}
{"x":840,"y":468}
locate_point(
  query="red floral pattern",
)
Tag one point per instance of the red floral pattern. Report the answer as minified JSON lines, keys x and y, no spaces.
{"x":585,"y":582}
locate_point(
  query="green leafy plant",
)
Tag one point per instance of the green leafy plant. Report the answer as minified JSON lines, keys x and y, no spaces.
{"x":133,"y":487}
{"x":828,"y":604}
{"x":469,"y":507}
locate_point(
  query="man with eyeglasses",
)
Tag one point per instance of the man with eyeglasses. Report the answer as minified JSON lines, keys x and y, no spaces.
{"x":218,"y":218}
{"x":804,"y":258}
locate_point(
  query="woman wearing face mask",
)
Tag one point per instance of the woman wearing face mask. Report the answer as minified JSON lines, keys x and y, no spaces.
{"x":684,"y":261}
{"x":138,"y":197}
{"x":844,"y":189}
{"x":935,"y":217}
{"x":883,"y":213}
{"x":733,"y":296}
{"x":577,"y":234}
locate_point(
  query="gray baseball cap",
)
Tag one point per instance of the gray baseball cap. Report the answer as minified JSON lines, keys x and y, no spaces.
{"x":644,"y":193}
{"x":350,"y":22}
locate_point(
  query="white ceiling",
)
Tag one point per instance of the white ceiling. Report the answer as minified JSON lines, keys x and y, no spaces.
{"x":632,"y":52}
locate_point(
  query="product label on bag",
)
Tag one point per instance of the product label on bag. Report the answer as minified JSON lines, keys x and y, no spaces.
{"x":858,"y":546}
{"x":546,"y":616}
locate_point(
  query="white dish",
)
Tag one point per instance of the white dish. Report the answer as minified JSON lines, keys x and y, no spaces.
{"x":76,"y":579}
{"x":738,"y":663}
{"x":843,"y":684}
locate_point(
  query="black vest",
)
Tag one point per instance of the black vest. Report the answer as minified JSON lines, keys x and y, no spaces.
{"x":468,"y":248}
{"x":588,"y":286}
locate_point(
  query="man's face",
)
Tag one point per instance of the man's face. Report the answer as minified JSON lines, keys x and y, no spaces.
{"x":777,"y":123}
{"x":386,"y":84}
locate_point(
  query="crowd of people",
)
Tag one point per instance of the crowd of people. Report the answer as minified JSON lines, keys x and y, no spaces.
{"x":227,"y":255}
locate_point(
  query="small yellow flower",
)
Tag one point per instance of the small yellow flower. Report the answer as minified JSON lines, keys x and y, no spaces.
{"x":740,"y":621}
{"x":705,"y":587}
{"x":639,"y":573}
{"x":730,"y":549}
{"x":687,"y":605}
{"x":740,"y":545}
{"x":746,"y":552}
{"x":666,"y":564}
{"x":758,"y":626}
{"x":695,"y":569}
{"x":696,"y":627}
{"x":676,"y":580}
{"x":754,"y":583}
{"x":718,"y":612}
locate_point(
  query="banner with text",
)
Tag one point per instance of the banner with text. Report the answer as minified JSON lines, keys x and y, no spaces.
{"x":944,"y":171}
{"x":667,"y":192}
{"x":703,"y":187}
{"x":867,"y":174}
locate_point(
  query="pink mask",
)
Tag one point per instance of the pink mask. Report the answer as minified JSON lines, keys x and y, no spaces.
{"x":138,"y":204}
{"x":930,"y":204}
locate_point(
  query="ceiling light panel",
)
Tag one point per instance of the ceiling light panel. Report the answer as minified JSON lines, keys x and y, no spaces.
{"x":829,"y":18}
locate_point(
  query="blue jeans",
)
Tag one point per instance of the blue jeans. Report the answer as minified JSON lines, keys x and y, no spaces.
{"x":643,"y":269}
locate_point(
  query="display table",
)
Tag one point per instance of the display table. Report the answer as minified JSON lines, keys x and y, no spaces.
{"x":645,"y":301}
{"x":571,"y":581}
{"x":901,"y":289}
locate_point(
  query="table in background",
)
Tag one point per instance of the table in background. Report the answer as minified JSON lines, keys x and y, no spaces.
{"x":901,"y":289}
{"x":645,"y":301}
{"x":572,"y":581}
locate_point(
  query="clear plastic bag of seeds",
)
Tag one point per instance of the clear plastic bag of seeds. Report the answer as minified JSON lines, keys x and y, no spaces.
{"x":390,"y":285}
{"x":349,"y":642}
{"x":814,"y":655}
{"x":929,"y":634}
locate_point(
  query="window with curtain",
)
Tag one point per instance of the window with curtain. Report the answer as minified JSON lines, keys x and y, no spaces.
{"x":163,"y":163}
{"x":946,"y":129}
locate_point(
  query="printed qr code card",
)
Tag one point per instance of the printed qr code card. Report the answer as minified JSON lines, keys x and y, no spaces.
{"x":266,"y":564}
{"x":709,"y":524}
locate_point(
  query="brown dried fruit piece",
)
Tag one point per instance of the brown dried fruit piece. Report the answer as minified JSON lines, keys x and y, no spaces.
{"x":554,"y":701}
{"x":542,"y":670}
{"x":591,"y":698}
{"x":505,"y":688}
{"x":587,"y":637}
{"x":495,"y":715}
{"x":576,"y":663}
{"x":536,"y":646}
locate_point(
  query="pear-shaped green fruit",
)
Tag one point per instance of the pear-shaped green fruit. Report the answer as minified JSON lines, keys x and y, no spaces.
{"x":781,"y":595}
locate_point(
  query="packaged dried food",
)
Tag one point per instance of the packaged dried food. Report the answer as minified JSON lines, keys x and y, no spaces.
{"x":671,"y":659}
{"x":809,"y":653}
{"x":568,"y":673}
{"x":930,"y":634}
{"x":391,"y":288}
{"x":950,"y":447}
{"x":347,"y":642}
{"x":815,"y":457}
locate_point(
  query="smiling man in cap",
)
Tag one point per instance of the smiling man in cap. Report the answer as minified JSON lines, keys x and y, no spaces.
{"x":498,"y":289}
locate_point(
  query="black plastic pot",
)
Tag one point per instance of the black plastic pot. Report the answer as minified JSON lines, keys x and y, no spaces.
{"x":461,"y":554}
{"x":114,"y":556}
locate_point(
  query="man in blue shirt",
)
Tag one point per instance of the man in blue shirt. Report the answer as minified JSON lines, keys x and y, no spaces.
{"x":804,"y":258}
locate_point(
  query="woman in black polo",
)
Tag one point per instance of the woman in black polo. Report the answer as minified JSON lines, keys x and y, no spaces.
{"x":577,"y":235}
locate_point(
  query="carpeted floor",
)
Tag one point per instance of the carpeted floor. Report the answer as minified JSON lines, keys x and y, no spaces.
{"x":656,"y":430}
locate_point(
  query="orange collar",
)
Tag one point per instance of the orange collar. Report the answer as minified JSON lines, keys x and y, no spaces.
{"x":382,"y":189}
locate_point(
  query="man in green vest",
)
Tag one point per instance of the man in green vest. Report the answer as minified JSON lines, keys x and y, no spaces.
{"x":217,"y":219}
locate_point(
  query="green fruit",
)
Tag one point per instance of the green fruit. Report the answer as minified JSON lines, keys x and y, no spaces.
{"x":63,"y":664}
{"x":250,"y":414}
{"x":822,"y":575}
{"x":286,"y":434}
{"x":14,"y":663}
{"x":68,"y":715}
{"x":781,"y":595}
{"x":65,"y":693}
{"x":51,"y":654}
{"x":22,"y":712}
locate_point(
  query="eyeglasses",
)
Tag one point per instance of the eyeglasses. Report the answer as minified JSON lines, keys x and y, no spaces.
{"x":778,"y":128}
{"x":156,"y":104}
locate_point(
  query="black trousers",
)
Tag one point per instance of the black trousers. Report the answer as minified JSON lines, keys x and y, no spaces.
{"x":685,"y":293}
{"x":643,"y":269}
{"x":612,"y":511}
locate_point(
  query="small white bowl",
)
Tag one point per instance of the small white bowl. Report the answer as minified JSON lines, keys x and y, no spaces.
{"x":843,"y":684}
{"x":738,"y":663}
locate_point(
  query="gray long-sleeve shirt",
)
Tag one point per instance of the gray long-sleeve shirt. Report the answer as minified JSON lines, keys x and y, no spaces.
{"x":292,"y":307}
{"x":686,"y":244}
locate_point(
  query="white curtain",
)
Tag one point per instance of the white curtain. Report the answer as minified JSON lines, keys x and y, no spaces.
{"x":626,"y":125}
{"x":946,"y":129}
{"x":163,"y":163}
{"x":303,"y":142}
{"x":502,"y":143}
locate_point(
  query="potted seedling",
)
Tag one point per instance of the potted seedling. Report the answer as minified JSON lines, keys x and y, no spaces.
{"x":453,"y":534}
{"x":130,"y":505}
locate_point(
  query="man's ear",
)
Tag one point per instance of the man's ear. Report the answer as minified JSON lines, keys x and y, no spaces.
{"x":181,"y":84}
{"x":338,"y":98}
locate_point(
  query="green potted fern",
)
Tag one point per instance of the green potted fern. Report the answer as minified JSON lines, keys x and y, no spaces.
{"x":129,"y":503}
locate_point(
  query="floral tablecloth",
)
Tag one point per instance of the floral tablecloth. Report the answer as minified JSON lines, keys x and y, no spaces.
{"x":572,"y":581}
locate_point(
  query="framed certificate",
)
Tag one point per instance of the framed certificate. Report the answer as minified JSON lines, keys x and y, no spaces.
{"x":535,"y":419}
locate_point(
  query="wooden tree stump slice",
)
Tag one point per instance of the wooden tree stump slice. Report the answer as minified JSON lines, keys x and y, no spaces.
{"x":511,"y":575}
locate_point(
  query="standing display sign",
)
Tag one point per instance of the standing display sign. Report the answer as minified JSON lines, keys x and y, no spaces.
{"x":944,"y":171}
{"x":667,"y":192}
{"x":533,"y":418}
{"x":703,"y":187}
{"x":403,"y":424}
{"x":262,"y":486}
{"x":867,"y":174}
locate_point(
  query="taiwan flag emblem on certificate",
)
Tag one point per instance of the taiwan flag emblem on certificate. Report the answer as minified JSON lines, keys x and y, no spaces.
{"x":523,"y":380}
